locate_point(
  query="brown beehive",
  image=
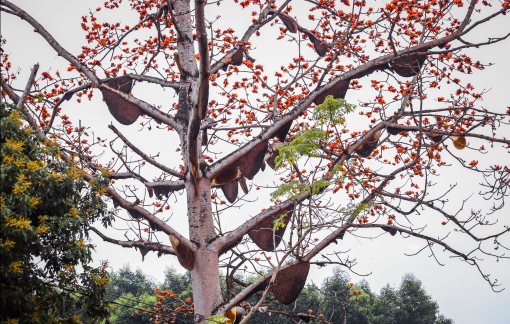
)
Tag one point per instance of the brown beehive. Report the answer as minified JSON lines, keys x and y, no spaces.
{"x":436,"y":138}
{"x":230,"y":190}
{"x":408,"y":66}
{"x":227,"y":175}
{"x":281,"y":134}
{"x":270,"y":159}
{"x":262,"y":233}
{"x":394,"y":129}
{"x":134,"y":213}
{"x":289,"y":22}
{"x":369,"y":145}
{"x":289,"y":282}
{"x":143,"y":251}
{"x":184,"y":255}
{"x":339,"y":90}
{"x":237,"y":58}
{"x":162,"y":191}
{"x":320,"y":47}
{"x":370,"y":70}
{"x":123,"y":83}
{"x":390,"y":230}
{"x":459,"y":142}
{"x":122,"y":110}
{"x":251,"y":163}
{"x":242,"y":183}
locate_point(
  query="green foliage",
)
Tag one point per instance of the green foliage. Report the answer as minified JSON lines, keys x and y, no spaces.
{"x":130,"y":308}
{"x":46,"y":210}
{"x":337,"y":300}
{"x":354,"y":209}
{"x":296,"y":188}
{"x":409,"y":303}
{"x":332,"y":111}
{"x":305,"y":143}
{"x":279,"y":222}
{"x":131,"y":291}
{"x":292,"y":189}
{"x":213,"y":319}
{"x":126,"y":281}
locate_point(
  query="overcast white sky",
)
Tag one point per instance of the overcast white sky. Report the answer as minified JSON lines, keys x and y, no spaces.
{"x":461,"y":292}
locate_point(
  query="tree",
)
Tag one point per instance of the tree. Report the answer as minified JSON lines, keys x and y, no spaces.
{"x":126,"y":281}
{"x":333,"y":179}
{"x":134,"y":297}
{"x":46,"y":212}
{"x":410,"y":303}
{"x":336,"y":301}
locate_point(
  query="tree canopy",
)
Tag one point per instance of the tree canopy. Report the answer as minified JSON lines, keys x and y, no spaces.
{"x":337,"y":300}
{"x":46,"y":212}
{"x":354,"y":126}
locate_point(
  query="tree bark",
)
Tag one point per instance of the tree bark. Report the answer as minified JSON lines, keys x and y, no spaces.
{"x":205,"y":275}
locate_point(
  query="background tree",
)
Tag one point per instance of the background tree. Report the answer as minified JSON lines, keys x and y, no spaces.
{"x":134,"y":297}
{"x":46,"y":210}
{"x":334,"y":179}
{"x":336,"y":300}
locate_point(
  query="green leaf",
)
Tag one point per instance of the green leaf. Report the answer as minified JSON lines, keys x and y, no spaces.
{"x":291,"y":189}
{"x":279,"y":223}
{"x":306,"y":143}
{"x":220,"y":318}
{"x":332,"y":111}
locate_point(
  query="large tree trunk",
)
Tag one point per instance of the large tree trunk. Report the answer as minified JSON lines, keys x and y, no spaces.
{"x":205,"y":275}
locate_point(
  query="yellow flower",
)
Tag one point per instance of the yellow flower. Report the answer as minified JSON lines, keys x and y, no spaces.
{"x":75,"y":173}
{"x":42,"y":229}
{"x":12,"y":321}
{"x":33,"y":165}
{"x":106,"y":172}
{"x":101,"y":281}
{"x":9,"y":244}
{"x":57,"y":176}
{"x":2,"y":202}
{"x":76,"y":319}
{"x":8,"y":159}
{"x":74,"y":212}
{"x":20,"y":161}
{"x":101,"y":191}
{"x":80,"y":244}
{"x":14,"y":145}
{"x":22,"y":223}
{"x":16,"y":116}
{"x":35,"y":317}
{"x":33,"y":201}
{"x":16,"y":267}
{"x":22,"y":185}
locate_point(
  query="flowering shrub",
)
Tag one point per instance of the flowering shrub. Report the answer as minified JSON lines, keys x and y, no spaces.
{"x":46,"y":210}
